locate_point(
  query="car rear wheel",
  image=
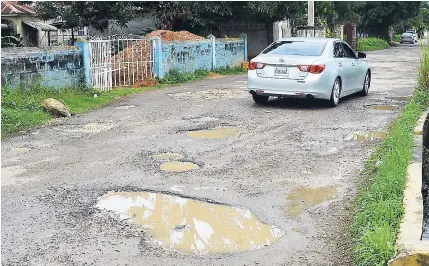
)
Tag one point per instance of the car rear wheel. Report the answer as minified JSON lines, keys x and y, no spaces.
{"x":336,"y":91}
{"x":259,"y":99}
{"x":366,"y":84}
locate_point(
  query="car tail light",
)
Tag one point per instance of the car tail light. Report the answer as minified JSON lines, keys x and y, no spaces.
{"x":314,"y":69}
{"x":256,"y":65}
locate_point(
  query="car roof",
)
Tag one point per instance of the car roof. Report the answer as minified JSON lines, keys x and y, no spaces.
{"x":308,"y":39}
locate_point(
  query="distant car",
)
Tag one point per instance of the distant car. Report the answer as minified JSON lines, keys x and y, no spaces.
{"x":407,"y":37}
{"x":414,"y":32}
{"x":300,"y":67}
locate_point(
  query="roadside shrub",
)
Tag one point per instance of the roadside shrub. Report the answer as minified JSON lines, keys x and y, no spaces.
{"x":175,"y":76}
{"x":371,"y":44}
{"x":396,"y":38}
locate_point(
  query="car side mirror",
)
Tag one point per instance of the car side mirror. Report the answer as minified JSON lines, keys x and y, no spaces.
{"x":361,"y":55}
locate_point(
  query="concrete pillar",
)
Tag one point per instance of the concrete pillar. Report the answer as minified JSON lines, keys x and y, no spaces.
{"x":157,"y":57}
{"x":244,"y":36}
{"x":213,"y":41}
{"x":310,"y":13}
{"x":86,"y":56}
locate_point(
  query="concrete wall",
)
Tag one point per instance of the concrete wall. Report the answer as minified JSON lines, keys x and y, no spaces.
{"x":188,"y":56}
{"x":59,"y":67}
{"x":259,"y":36}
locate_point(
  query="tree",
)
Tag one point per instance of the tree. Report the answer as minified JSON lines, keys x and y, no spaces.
{"x":84,"y":13}
{"x":378,"y":16}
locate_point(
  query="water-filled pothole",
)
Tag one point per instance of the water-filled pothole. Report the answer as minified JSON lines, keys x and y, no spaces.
{"x":190,"y":225}
{"x":301,"y":198}
{"x":401,"y":98}
{"x":368,"y":136}
{"x":176,"y":166}
{"x":216,"y":133}
{"x":168,"y":156}
{"x":382,"y":107}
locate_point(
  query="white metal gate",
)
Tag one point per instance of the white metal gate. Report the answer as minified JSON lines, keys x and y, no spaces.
{"x":120,"y":62}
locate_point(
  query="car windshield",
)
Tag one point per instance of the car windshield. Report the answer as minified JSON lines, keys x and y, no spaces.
{"x":407,"y":34}
{"x":296,"y":48}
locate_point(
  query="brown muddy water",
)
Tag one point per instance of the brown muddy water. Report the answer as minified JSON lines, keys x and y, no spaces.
{"x":189,"y":225}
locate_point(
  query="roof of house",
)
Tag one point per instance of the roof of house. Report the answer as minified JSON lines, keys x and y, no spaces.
{"x":12,"y":8}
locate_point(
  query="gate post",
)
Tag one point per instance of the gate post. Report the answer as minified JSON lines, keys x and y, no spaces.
{"x":86,"y":57}
{"x":157,"y":58}
{"x":244,"y":36}
{"x":213,"y":41}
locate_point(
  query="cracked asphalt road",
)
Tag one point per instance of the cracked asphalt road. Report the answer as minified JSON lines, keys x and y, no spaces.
{"x":53,"y":176}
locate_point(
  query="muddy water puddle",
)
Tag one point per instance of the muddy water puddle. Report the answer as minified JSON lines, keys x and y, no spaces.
{"x":217,"y":133}
{"x":177,"y":166}
{"x":190,"y":225}
{"x":401,"y":98}
{"x":367,"y":136}
{"x":302,"y":198}
{"x":381,"y":107}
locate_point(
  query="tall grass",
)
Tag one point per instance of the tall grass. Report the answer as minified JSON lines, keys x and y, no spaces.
{"x":424,"y":68}
{"x":379,"y":207}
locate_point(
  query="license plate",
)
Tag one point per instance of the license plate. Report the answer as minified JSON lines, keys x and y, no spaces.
{"x":280,"y":71}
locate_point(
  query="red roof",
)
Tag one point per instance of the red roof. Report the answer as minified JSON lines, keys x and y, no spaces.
{"x":12,"y":8}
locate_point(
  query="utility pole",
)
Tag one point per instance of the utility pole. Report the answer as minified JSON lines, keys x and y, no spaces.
{"x":310,"y":17}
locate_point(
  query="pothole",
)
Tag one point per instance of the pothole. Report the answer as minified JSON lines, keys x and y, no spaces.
{"x":367,"y":136}
{"x":176,"y":166}
{"x":21,"y":149}
{"x":381,"y":107}
{"x":168,"y":156}
{"x":401,"y":98}
{"x":125,"y":107}
{"x":213,"y":94}
{"x":301,"y":198}
{"x":87,"y":128}
{"x":216,"y":133}
{"x":192,"y":226}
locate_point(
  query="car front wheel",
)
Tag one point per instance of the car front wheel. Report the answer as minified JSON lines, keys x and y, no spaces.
{"x":259,"y":99}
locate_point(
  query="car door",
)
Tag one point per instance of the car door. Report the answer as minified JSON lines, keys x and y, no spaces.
{"x":345,"y":67}
{"x":357,"y":72}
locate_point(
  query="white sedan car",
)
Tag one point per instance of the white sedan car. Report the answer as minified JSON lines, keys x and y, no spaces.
{"x":306,"y":67}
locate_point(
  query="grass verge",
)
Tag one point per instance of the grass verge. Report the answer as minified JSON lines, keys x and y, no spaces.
{"x":379,"y":205}
{"x":371,"y":44}
{"x":175,"y":77}
{"x":21,"y":108}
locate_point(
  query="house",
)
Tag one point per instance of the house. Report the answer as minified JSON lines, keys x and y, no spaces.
{"x":23,"y":20}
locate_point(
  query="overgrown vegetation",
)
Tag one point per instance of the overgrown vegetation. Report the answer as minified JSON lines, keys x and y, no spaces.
{"x":175,"y":76}
{"x":371,"y":44}
{"x":396,"y":38}
{"x":22,"y":110}
{"x":378,"y":207}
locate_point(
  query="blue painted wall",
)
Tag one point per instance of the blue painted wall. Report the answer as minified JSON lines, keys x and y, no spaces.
{"x":59,"y":67}
{"x":186,"y":56}
{"x":189,"y":56}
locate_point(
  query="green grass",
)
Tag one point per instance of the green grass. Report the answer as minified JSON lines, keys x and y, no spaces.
{"x":396,"y":38}
{"x":378,"y":208}
{"x":21,"y":108}
{"x":372,"y":44}
{"x":176,"y":77}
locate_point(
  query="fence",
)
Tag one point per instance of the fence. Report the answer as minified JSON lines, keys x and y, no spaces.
{"x":118,"y":61}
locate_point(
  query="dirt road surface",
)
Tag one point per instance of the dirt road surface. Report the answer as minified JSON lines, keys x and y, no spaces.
{"x":294,"y":164}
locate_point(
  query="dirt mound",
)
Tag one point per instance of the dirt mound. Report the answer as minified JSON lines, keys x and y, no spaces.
{"x":167,"y":35}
